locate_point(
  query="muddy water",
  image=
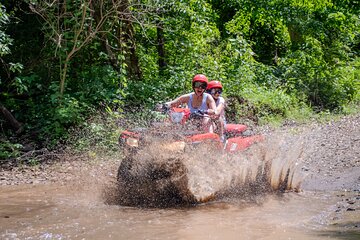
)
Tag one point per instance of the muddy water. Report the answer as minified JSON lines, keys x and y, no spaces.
{"x":79,"y":212}
{"x":82,"y":210}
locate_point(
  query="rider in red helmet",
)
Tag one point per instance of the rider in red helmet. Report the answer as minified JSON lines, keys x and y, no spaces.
{"x":215,"y":88}
{"x":198,"y":100}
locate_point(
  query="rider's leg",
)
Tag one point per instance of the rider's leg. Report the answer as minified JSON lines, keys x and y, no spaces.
{"x":221,"y":132}
{"x":222,"y":129}
{"x":208,"y":127}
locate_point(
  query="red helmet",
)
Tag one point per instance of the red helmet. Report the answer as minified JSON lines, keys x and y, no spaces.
{"x":200,"y":78}
{"x":214,"y":84}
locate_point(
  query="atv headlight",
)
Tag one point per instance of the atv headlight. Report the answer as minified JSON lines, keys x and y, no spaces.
{"x":175,"y":146}
{"x":132,"y":142}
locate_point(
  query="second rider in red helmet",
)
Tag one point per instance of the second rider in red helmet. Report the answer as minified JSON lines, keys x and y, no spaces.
{"x":197,"y":100}
{"x":215,"y":88}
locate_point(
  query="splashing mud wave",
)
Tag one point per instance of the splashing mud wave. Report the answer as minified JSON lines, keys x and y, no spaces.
{"x":156,"y":176}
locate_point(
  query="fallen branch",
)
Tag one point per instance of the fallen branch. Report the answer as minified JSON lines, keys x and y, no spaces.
{"x":11,"y":119}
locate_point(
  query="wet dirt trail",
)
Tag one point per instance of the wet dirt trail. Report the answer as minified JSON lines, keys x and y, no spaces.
{"x":70,"y":200}
{"x":53,"y":212}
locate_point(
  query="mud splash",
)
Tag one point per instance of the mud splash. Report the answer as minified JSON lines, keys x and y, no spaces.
{"x":157,"y":177}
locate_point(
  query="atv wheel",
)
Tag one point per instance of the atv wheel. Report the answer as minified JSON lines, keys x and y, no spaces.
{"x":124,"y":173}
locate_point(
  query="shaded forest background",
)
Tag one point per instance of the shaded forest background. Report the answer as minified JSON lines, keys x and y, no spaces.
{"x":70,"y":69}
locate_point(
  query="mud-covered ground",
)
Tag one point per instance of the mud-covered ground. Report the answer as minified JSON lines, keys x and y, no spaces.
{"x":332,"y":160}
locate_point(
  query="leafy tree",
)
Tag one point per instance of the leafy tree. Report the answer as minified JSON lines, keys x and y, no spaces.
{"x":8,"y":67}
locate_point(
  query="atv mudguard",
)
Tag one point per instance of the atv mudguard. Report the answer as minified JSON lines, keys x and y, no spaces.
{"x":237,"y":144}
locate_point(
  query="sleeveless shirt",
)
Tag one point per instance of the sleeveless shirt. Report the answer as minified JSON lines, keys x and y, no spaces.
{"x":203,"y":106}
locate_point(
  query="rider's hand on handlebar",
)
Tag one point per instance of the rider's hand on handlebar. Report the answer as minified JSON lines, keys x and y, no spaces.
{"x":162,"y":107}
{"x":202,"y":112}
{"x":199,"y":114}
{"x":211,"y":112}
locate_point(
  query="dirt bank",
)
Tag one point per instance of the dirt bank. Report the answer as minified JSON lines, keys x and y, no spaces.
{"x":331,"y":156}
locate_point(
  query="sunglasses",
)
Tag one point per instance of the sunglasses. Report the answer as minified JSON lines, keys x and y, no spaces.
{"x":216,"y":90}
{"x":200,"y":85}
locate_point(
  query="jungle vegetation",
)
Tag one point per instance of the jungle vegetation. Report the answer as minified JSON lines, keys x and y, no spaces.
{"x":64,"y":62}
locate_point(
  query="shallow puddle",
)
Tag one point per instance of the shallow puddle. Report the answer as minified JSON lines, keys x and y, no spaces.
{"x":80,"y":212}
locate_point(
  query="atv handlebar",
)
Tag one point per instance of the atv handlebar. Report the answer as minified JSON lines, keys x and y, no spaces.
{"x":199,"y":114}
{"x":162,"y":107}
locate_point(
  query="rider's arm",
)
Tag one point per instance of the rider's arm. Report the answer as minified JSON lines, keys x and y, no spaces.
{"x":180,"y":100}
{"x":211,"y":105}
{"x":220,"y":107}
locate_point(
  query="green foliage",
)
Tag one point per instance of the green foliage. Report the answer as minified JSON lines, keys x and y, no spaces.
{"x":9,"y":150}
{"x":97,"y":84}
{"x":188,"y":47}
{"x":61,"y":113}
{"x":97,"y":134}
{"x":5,"y":40}
{"x":279,"y":59}
{"x":307,"y":74}
{"x":237,"y":61}
{"x":95,"y":87}
{"x":5,"y":43}
{"x":269,"y":102}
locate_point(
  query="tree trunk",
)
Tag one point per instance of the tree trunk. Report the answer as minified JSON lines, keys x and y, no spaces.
{"x":11,"y":119}
{"x":161,"y":46}
{"x":127,"y":37}
{"x":106,"y":44}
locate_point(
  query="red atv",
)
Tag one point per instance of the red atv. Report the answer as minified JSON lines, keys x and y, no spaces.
{"x":238,"y":137}
{"x":145,"y":179}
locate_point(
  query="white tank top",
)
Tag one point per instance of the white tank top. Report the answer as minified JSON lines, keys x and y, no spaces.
{"x":217,"y":102}
{"x":203,"y":106}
